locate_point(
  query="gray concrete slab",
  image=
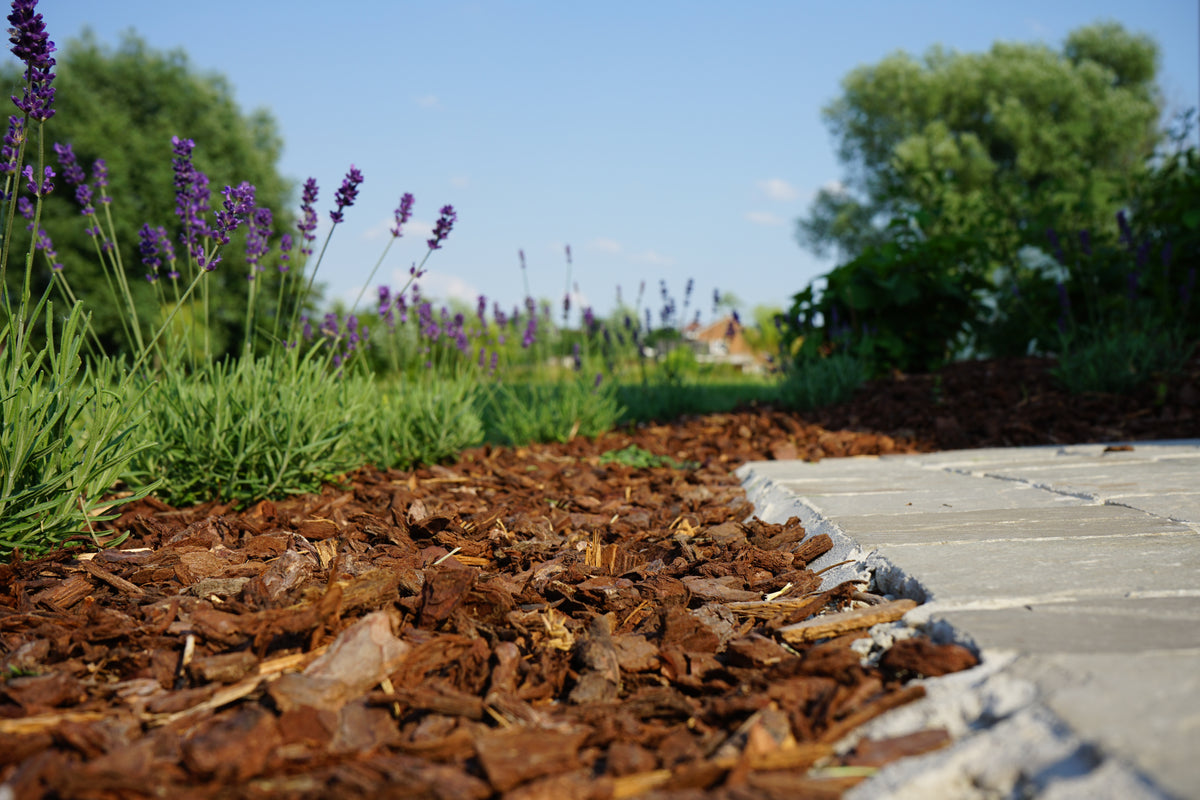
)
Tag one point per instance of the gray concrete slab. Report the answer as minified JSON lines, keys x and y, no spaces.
{"x":1074,"y":571}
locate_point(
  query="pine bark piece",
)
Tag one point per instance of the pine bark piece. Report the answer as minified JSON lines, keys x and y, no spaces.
{"x":870,"y":711}
{"x":118,"y":583}
{"x":923,"y":657}
{"x":845,"y":621}
{"x":512,"y":757}
{"x":812,"y":548}
{"x":358,"y":659}
{"x":598,"y":665}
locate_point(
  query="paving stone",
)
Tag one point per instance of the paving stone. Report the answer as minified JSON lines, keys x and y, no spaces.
{"x":1048,"y":522}
{"x":1076,"y":572}
{"x":923,"y":494}
{"x":1044,"y":567}
{"x":1143,"y":708}
{"x":1102,"y":625}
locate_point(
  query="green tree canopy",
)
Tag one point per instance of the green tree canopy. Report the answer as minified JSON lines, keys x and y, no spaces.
{"x":123,"y":105}
{"x":1008,"y":141}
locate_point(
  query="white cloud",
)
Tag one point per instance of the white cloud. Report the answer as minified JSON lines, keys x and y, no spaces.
{"x":763,"y":218}
{"x":605,"y":245}
{"x":429,"y":101}
{"x":834,"y":187}
{"x":653,"y":257}
{"x":778,"y":189}
{"x":439,"y":285}
{"x":413,"y":229}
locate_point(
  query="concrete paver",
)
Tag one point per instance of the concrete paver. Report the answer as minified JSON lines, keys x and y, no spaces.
{"x":1074,"y":571}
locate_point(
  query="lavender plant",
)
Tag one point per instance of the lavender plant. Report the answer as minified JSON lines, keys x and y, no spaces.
{"x":65,"y":435}
{"x":287,"y":421}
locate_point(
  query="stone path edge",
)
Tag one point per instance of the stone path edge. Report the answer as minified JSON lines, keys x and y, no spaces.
{"x":1008,"y":740}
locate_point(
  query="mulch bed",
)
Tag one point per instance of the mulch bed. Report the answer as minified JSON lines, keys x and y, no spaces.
{"x":537,"y":622}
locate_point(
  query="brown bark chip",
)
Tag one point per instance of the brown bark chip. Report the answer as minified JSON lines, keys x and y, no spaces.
{"x":512,"y":757}
{"x":920,"y":656}
{"x":524,"y":622}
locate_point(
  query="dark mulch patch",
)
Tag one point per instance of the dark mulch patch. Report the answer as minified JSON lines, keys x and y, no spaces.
{"x":527,"y":622}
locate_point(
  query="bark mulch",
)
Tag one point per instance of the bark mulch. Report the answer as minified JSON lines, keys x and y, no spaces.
{"x":539,"y":622}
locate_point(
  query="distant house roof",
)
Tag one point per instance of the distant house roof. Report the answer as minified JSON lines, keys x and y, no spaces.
{"x":717,"y":333}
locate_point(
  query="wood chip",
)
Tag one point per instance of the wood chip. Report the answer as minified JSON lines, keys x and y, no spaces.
{"x":841,"y":622}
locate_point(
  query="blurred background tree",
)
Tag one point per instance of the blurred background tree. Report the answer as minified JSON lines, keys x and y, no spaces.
{"x":981,"y":194}
{"x":123,"y":105}
{"x":1001,"y":141}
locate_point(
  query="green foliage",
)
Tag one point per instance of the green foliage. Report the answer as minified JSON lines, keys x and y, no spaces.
{"x":416,"y":422}
{"x":124,"y":105}
{"x":657,"y":401}
{"x":520,"y":413}
{"x":1119,"y":360}
{"x":245,"y":429}
{"x":822,"y":381}
{"x":1021,"y":133}
{"x":905,"y":304}
{"x":638,"y":458}
{"x":65,"y":437}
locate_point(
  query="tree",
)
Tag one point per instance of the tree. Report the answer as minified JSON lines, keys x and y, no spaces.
{"x":123,"y":105}
{"x":999,"y":144}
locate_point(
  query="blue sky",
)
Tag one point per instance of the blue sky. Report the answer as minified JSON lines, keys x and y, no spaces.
{"x":661,"y":140}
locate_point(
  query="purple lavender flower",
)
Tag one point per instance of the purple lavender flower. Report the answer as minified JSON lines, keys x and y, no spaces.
{"x":72,"y":172}
{"x":308,"y":223}
{"x":577,"y":357}
{"x":442,"y":229}
{"x":33,"y":47}
{"x":44,"y":244}
{"x":257,"y":234}
{"x":239,"y":201}
{"x":403,"y":213}
{"x":149,"y":247}
{"x":589,"y":318}
{"x":12,"y":145}
{"x":330,"y":326}
{"x":347,"y":194}
{"x":1055,"y":244}
{"x":191,"y":197}
{"x":73,"y":175}
{"x":1167,"y":249}
{"x":285,"y":251}
{"x":495,"y":362}
{"x":100,"y":178}
{"x":45,"y":188}
{"x":1085,"y":242}
{"x":530,"y":332}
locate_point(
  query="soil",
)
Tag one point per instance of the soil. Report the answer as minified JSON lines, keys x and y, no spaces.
{"x":537,"y":622}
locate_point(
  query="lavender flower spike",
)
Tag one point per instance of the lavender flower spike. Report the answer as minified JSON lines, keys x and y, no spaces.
{"x":347,"y":194}
{"x":308,"y":224}
{"x":442,"y":229}
{"x":33,"y":47}
{"x":403,"y":213}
